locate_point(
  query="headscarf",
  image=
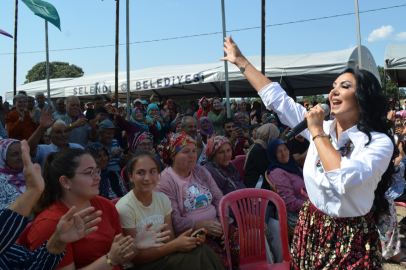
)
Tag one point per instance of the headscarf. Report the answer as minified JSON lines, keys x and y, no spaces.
{"x":105,"y":184}
{"x":224,"y":102}
{"x":18,"y":96}
{"x":290,"y":167}
{"x":402,"y":113}
{"x":150,"y":106}
{"x":174,"y":126}
{"x":201,"y":100}
{"x":15,"y":177}
{"x":211,"y":130}
{"x":172,"y":144}
{"x":142,"y":125}
{"x":140,"y":136}
{"x":217,"y":112}
{"x":213,"y":144}
{"x":264,"y":135}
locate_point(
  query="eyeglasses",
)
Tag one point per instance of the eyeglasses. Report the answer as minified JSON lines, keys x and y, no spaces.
{"x":145,"y":145}
{"x":94,"y":173}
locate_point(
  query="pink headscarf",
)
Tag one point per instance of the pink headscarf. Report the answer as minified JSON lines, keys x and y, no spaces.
{"x":15,"y":177}
{"x":214,"y":144}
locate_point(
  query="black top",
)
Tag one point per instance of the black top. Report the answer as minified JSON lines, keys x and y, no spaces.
{"x":257,"y":164}
{"x":298,"y":147}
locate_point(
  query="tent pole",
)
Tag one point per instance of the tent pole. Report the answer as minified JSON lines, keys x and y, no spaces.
{"x":225,"y":62}
{"x":128,"y":60}
{"x":358,"y":35}
{"x":47,"y":64}
{"x":263,"y":45}
{"x":117,"y":40}
{"x":384,"y":80}
{"x":15,"y":47}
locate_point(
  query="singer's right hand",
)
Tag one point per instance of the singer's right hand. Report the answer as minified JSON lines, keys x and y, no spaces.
{"x":315,"y":117}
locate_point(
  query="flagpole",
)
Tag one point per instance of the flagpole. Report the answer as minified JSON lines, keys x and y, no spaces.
{"x":15,"y":47}
{"x":117,"y":40}
{"x":47,"y":64}
{"x":128,"y":60}
{"x":225,"y":62}
{"x":358,"y":35}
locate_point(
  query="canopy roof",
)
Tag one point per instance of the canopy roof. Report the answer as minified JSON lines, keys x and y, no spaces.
{"x":395,"y":63}
{"x":301,"y":74}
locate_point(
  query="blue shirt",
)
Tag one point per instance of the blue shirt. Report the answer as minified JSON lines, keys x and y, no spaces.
{"x":3,"y":133}
{"x":43,"y":150}
{"x":56,"y":114}
{"x":114,"y":162}
{"x":14,"y":256}
{"x":37,"y":116}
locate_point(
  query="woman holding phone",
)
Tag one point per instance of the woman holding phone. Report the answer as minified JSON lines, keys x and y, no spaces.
{"x":347,"y":170}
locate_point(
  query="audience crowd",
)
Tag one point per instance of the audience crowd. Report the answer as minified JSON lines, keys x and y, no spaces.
{"x":152,"y":181}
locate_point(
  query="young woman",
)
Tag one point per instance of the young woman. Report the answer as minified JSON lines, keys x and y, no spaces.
{"x":72,"y":179}
{"x":204,"y":108}
{"x":144,"y":205}
{"x":347,"y":170}
{"x":217,"y":114}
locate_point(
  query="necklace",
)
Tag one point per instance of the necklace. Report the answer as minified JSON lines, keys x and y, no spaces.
{"x":344,"y":151}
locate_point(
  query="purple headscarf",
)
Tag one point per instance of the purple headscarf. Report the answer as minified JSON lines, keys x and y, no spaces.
{"x":15,"y":177}
{"x":211,"y":130}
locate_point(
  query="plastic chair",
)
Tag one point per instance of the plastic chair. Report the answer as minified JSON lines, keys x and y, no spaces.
{"x":251,"y":227}
{"x":238,"y":163}
{"x":22,"y":240}
{"x":123,"y":172}
{"x":114,"y":201}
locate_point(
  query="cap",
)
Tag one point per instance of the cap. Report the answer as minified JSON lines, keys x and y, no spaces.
{"x":107,"y":124}
{"x":137,"y":100}
{"x":306,"y":103}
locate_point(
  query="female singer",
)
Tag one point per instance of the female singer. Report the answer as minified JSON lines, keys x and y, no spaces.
{"x":346,"y":172}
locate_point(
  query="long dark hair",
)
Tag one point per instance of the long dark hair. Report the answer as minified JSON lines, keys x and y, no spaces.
{"x":135,"y":158}
{"x":64,"y":162}
{"x":372,"y":117}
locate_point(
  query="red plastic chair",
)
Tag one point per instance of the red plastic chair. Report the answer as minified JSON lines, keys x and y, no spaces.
{"x":22,"y":240}
{"x":114,"y":201}
{"x":238,"y":163}
{"x":251,"y":221}
{"x":123,"y":172}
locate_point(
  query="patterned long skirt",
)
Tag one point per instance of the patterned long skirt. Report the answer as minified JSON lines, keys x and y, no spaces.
{"x":234,"y":243}
{"x":324,"y":242}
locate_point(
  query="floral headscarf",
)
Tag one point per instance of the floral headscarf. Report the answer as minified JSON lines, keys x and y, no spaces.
{"x":15,"y":177}
{"x":213,"y":144}
{"x":211,"y":130}
{"x":172,"y":144}
{"x":139,"y":137}
{"x":402,"y":114}
{"x":133,"y":119}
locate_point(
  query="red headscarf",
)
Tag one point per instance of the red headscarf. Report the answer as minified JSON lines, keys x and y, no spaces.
{"x":172,"y":144}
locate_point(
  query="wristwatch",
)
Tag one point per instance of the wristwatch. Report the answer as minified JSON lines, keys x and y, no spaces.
{"x":242,"y":69}
{"x":109,"y":261}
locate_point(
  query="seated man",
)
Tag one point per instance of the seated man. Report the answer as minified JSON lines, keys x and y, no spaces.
{"x":298,"y":148}
{"x":59,"y":138}
{"x":232,"y":133}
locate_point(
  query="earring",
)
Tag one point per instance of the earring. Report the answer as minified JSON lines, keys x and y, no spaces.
{"x":68,"y":188}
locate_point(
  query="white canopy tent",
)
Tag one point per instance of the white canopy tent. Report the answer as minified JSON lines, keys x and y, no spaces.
{"x":395,"y":63}
{"x":300,"y":75}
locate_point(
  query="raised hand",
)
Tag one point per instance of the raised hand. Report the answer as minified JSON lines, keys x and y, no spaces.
{"x":73,"y":227}
{"x":121,"y":249}
{"x":31,"y":172}
{"x":45,"y":118}
{"x":33,"y":112}
{"x":233,"y":52}
{"x":246,"y":132}
{"x":21,"y":114}
{"x":151,"y":239}
{"x":199,"y":141}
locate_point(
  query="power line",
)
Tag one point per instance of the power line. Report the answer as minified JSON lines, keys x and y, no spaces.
{"x":213,"y":33}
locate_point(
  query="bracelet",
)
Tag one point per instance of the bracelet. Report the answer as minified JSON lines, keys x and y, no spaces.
{"x":321,"y":135}
{"x":109,"y":261}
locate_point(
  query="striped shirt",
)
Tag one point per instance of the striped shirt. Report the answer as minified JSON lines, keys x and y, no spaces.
{"x":14,"y":256}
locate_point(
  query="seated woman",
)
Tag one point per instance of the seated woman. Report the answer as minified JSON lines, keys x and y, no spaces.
{"x":176,"y":127}
{"x":218,"y":156}
{"x":111,"y":186}
{"x":194,"y":195}
{"x":143,"y":205}
{"x":12,"y":182}
{"x":257,"y":162}
{"x":72,"y":179}
{"x":21,"y":123}
{"x":163,"y":126}
{"x":287,"y":177}
{"x":206,"y":128}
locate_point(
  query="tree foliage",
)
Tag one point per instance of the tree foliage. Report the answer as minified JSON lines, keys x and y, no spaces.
{"x":391,"y":89}
{"x":311,"y":99}
{"x":56,"y":70}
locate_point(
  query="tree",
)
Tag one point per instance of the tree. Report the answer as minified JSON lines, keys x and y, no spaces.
{"x":56,"y":70}
{"x":391,"y":89}
{"x":311,"y":99}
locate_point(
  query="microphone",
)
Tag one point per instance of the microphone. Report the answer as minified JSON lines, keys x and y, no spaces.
{"x":303,"y":125}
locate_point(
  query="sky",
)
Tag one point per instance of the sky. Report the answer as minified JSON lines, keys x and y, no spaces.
{"x":87,"y":23}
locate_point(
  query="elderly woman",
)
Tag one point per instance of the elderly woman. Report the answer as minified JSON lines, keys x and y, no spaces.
{"x":217,"y":114}
{"x":206,"y":128}
{"x":163,"y":126}
{"x":257,"y":162}
{"x":194,"y":195}
{"x":111,"y":185}
{"x":12,"y":182}
{"x":21,"y":123}
{"x":287,"y":177}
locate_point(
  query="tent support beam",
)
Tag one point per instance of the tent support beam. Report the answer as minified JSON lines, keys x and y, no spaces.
{"x":290,"y":91}
{"x":217,"y":90}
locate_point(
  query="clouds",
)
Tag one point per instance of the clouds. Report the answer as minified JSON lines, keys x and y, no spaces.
{"x":386,"y":33}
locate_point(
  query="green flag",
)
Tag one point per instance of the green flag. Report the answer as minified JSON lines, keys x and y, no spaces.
{"x":44,"y":10}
